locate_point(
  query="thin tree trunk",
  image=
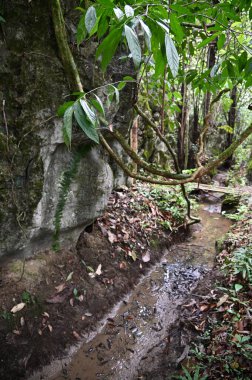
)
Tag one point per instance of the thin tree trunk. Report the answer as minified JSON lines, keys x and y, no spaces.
{"x":182,"y":118}
{"x":231,"y":122}
{"x":134,"y":142}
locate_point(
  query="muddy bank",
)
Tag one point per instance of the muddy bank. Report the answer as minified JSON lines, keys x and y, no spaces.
{"x":132,"y":338}
{"x":66,"y":294}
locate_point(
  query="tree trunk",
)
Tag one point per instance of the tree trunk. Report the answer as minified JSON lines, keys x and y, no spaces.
{"x":182,"y":119}
{"x":231,"y":122}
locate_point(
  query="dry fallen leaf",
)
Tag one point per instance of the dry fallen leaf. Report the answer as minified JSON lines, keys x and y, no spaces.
{"x":50,"y":328}
{"x":45,"y":314}
{"x":60,"y":288}
{"x":88,"y":314}
{"x":40,"y":332}
{"x":204,"y":307}
{"x":76,"y":335}
{"x":146,"y":257}
{"x":71,"y":302}
{"x":16,"y":332}
{"x":98,"y":270}
{"x":22,"y":321}
{"x":18,"y":307}
{"x":112,"y":237}
{"x":222,"y":300}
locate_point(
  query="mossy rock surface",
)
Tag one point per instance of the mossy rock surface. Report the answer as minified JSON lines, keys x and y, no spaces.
{"x":230,"y":203}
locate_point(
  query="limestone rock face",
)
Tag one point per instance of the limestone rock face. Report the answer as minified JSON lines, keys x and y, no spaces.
{"x":33,"y":155}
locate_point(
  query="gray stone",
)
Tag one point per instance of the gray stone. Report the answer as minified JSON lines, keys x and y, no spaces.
{"x":33,"y":155}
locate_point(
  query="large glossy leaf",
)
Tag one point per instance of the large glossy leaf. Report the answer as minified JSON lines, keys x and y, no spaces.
{"x":176,"y":27}
{"x":62,"y":108}
{"x":147,"y":34}
{"x":97,"y":103}
{"x":81,"y":30}
{"x":129,"y":11}
{"x":172,"y":55}
{"x":89,"y":113}
{"x":82,"y":120}
{"x":134,"y":45}
{"x":90,"y":19}
{"x":67,"y":125}
{"x":207,"y":40}
{"x":119,"y":13}
{"x":108,"y":47}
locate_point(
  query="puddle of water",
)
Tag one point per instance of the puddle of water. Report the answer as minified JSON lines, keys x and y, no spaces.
{"x":139,"y":325}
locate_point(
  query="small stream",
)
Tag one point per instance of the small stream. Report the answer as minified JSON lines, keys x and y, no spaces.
{"x":127,"y":341}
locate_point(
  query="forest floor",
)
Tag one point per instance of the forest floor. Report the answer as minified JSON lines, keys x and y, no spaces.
{"x":49,"y":302}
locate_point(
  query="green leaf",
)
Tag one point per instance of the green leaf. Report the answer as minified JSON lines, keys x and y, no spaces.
{"x":164,"y":26}
{"x":108,"y":47}
{"x":207,"y":40}
{"x":129,"y":11}
{"x":147,"y":34}
{"x":103,"y":26}
{"x":67,"y":126}
{"x":69,"y":277}
{"x":129,"y":78}
{"x":62,"y":108}
{"x":84,"y":123}
{"x":2,"y":19}
{"x":242,"y":61}
{"x":134,"y":45}
{"x":81,"y":30}
{"x":226,"y":103}
{"x":89,"y":113}
{"x":176,"y":27}
{"x":90,"y":19}
{"x":119,"y":13}
{"x":121,"y":85}
{"x":181,"y":9}
{"x":221,"y":41}
{"x":113,"y":92}
{"x":172,"y":55}
{"x":238,"y":287}
{"x":97,"y":103}
{"x":227,"y":128}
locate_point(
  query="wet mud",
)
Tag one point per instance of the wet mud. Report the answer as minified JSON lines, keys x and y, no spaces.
{"x":129,"y":341}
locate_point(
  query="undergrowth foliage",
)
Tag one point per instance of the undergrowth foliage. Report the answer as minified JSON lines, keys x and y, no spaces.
{"x":64,"y":187}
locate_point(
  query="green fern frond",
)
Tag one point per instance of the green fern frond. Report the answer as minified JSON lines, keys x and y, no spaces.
{"x":64,"y":187}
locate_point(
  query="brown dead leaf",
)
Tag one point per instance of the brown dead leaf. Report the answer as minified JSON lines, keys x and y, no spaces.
{"x":18,"y":307}
{"x":222,"y":300}
{"x":146,"y":257}
{"x":88,"y":314}
{"x":204,"y":307}
{"x":98,"y":270}
{"x":76,"y":335}
{"x":112,"y":237}
{"x":71,"y":301}
{"x":60,"y":287}
{"x":123,"y":265}
{"x":16,"y":332}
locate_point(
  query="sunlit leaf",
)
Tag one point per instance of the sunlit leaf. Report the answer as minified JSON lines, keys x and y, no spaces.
{"x":147,"y":34}
{"x":129,"y":11}
{"x":90,"y":18}
{"x":82,"y":120}
{"x":134,"y":45}
{"x":172,"y":55}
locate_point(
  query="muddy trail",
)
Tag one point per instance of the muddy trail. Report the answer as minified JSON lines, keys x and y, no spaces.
{"x":129,"y":341}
